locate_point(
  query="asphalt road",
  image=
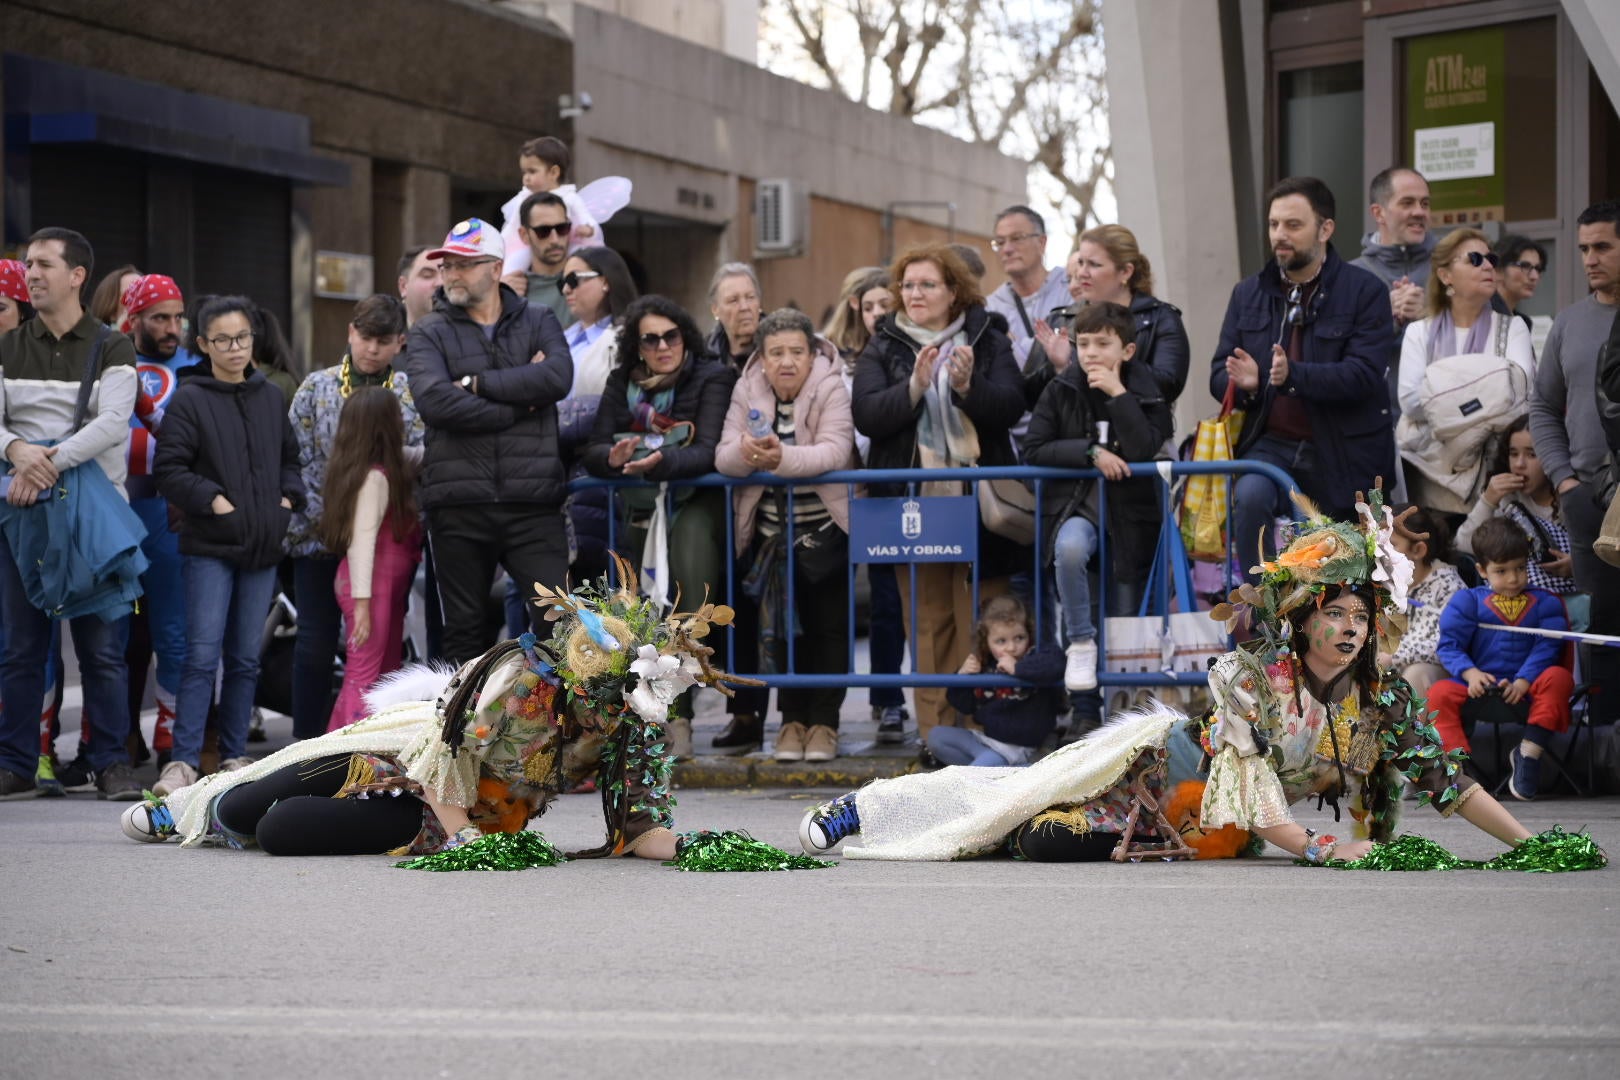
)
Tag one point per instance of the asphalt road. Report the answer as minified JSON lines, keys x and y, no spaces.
{"x":132,"y":960}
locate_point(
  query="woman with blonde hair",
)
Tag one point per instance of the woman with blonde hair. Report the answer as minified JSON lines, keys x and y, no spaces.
{"x":1448,"y":450}
{"x":845,"y":328}
{"x":1107,"y":267}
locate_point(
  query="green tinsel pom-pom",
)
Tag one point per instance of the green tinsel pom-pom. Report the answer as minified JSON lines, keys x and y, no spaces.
{"x":1405,"y":852}
{"x":497,"y":851}
{"x":1552,"y":852}
{"x":735,"y":852}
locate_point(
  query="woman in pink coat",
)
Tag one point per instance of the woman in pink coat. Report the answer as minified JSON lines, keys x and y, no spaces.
{"x":790,"y":417}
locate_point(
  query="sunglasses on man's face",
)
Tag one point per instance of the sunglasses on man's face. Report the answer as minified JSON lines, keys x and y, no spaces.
{"x":1480,"y":258}
{"x":542,"y":231}
{"x":668,"y":338}
{"x":575,"y":278}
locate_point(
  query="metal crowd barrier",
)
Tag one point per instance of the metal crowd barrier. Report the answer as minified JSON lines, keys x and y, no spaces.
{"x":912,"y":478}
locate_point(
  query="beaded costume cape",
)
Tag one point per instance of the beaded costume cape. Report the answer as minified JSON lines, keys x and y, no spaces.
{"x":963,"y":811}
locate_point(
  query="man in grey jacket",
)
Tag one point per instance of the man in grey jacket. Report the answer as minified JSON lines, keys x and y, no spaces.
{"x":1397,"y":251}
{"x":1569,"y":434}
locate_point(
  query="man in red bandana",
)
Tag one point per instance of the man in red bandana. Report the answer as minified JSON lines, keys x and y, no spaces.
{"x":157,"y":323}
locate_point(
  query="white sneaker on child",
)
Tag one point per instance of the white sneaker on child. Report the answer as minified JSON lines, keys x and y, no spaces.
{"x":1080,"y":671}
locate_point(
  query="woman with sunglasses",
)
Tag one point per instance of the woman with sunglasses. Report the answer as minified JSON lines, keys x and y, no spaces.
{"x":228,"y":464}
{"x":1460,"y":322}
{"x":661,"y":416}
{"x":597,"y":288}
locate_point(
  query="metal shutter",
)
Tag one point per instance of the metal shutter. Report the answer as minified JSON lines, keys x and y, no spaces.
{"x":242,"y":235}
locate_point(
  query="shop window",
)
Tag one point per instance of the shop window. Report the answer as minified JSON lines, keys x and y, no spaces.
{"x":1320,"y":132}
{"x":1480,"y":121}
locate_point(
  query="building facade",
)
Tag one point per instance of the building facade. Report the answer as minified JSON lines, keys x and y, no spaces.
{"x":1508,"y":106}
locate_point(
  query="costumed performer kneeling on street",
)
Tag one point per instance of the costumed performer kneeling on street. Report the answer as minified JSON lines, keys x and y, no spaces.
{"x":1300,"y":711}
{"x":442,"y":759}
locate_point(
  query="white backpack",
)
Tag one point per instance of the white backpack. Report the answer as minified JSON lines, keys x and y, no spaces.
{"x":1468,"y":401}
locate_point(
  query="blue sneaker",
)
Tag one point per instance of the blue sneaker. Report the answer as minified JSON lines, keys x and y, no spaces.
{"x":1526,"y":774}
{"x":827,"y":825}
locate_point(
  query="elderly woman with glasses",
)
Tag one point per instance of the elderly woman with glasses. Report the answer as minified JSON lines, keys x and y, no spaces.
{"x":1460,"y":322}
{"x":661,"y":416}
{"x":938,"y":387}
{"x":228,"y":464}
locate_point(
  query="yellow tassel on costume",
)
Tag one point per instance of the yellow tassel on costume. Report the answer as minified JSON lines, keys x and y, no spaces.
{"x":1072,"y":819}
{"x":362,"y":773}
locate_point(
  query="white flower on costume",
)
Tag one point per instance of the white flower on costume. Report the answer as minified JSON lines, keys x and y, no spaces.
{"x":1390,"y":567}
{"x":660,"y":680}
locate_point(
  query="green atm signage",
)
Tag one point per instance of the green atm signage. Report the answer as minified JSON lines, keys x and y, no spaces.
{"x":1456,"y":93}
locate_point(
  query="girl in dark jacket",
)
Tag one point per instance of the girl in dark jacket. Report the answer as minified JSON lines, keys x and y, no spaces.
{"x":937,"y":387}
{"x":228,"y":464}
{"x":1103,"y":411}
{"x":661,"y":416}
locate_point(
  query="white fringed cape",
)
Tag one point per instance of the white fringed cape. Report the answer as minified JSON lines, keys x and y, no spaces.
{"x":401,"y":707}
{"x":965,"y":810}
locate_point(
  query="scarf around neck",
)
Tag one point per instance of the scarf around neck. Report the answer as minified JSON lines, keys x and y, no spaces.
{"x":1443,"y":335}
{"x":946,"y":438}
{"x":650,"y":397}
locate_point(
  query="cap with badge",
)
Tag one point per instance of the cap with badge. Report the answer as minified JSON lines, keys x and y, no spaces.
{"x":472,"y":239}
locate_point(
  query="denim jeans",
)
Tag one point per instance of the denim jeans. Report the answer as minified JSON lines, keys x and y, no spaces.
{"x":316,"y":645}
{"x":958,"y":746}
{"x":103,"y":674}
{"x":1076,"y":544}
{"x":1257,"y":503}
{"x":225,"y":611}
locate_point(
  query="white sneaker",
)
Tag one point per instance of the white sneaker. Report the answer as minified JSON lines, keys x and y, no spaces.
{"x":175,"y":775}
{"x":235,"y":763}
{"x":1080,"y":672}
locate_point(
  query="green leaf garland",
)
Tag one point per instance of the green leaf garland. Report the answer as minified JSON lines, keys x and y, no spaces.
{"x":1551,"y":852}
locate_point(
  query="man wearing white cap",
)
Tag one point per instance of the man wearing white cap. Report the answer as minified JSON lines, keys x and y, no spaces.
{"x":487,"y":369}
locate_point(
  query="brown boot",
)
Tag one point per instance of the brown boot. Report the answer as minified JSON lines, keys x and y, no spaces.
{"x":743,"y":735}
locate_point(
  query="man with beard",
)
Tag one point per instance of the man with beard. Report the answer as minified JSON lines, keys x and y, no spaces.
{"x":487,"y":369}
{"x":545,"y":228}
{"x":1304,"y":350}
{"x":157,"y":322}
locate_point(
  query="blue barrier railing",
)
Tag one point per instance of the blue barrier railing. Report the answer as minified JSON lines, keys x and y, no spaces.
{"x":910,"y":479}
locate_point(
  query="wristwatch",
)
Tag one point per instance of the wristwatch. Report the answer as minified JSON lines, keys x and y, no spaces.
{"x":467,"y":381}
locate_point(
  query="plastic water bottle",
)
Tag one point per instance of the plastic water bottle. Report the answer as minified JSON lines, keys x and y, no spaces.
{"x":759,"y":425}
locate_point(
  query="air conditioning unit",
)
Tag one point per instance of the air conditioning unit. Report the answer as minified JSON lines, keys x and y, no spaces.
{"x":781,"y":219}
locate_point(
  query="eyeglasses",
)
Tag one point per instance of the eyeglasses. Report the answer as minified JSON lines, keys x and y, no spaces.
{"x":542,"y":231}
{"x":921,"y":286}
{"x":1016,"y":238}
{"x":461,"y":266}
{"x":575,"y":278}
{"x":1480,"y":258}
{"x":244,"y":340}
{"x":668,"y":338}
{"x":1528,"y":267}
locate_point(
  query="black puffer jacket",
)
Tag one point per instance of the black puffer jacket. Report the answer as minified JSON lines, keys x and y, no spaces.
{"x":702,"y":396}
{"x":1161,"y":346}
{"x":230,"y":439}
{"x":881,"y":402}
{"x":500,"y":444}
{"x":1062,"y":431}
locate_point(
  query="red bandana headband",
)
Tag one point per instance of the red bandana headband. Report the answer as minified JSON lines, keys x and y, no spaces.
{"x":149,"y":290}
{"x":12,"y":281}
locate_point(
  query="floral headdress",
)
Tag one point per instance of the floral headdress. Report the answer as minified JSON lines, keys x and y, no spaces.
{"x":1324,"y":553}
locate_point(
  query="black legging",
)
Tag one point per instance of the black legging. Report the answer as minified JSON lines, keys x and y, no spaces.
{"x":1051,"y":841}
{"x":292,"y":812}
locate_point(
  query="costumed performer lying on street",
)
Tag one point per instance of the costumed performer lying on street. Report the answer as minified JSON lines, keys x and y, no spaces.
{"x":1300,"y":711}
{"x":441,"y":760}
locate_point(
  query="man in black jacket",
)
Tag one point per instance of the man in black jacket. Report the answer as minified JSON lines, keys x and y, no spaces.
{"x":487,"y":369}
{"x":1305,"y":348}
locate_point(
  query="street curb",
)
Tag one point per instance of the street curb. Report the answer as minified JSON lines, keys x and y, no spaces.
{"x":846,"y":773}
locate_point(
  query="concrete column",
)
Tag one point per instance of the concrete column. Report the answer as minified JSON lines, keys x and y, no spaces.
{"x":427,"y":206}
{"x":1173,"y":165}
{"x":1597,"y":24}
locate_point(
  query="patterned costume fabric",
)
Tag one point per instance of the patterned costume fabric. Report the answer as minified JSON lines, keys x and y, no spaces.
{"x":314,"y":413}
{"x":1269,"y":748}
